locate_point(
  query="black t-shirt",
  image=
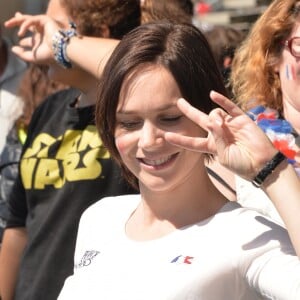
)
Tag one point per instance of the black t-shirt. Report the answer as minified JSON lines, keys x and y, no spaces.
{"x":64,"y":169}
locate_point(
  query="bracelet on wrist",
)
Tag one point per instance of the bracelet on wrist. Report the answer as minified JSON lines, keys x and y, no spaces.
{"x":60,"y":41}
{"x":268,"y":169}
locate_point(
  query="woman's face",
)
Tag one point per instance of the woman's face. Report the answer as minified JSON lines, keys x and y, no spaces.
{"x":146,"y":110}
{"x":289,"y":72}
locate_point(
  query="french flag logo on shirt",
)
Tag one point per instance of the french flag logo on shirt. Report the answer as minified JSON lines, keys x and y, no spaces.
{"x":181,"y":259}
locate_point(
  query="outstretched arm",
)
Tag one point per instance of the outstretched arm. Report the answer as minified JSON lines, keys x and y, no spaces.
{"x":88,"y":53}
{"x":243,"y":148}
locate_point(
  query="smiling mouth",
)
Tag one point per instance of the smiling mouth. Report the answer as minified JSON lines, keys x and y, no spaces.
{"x":158,"y":162}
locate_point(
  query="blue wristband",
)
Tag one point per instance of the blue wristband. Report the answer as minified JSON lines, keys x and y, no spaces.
{"x":60,"y":41}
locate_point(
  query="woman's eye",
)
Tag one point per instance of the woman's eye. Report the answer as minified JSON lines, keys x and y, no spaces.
{"x":172,"y":119}
{"x":129,"y":124}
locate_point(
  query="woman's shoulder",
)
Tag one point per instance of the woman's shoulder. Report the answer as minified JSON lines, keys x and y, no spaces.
{"x":254,"y":198}
{"x":249,"y":226}
{"x":245,"y":215}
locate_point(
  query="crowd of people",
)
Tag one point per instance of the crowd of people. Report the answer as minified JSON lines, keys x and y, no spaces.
{"x":149,"y":161}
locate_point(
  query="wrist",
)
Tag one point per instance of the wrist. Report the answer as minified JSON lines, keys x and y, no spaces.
{"x":278,"y":175}
{"x":269,"y":170}
{"x":60,"y":41}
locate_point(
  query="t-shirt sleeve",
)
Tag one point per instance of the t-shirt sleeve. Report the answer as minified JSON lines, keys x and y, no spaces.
{"x":276,"y":275}
{"x":273,"y":268}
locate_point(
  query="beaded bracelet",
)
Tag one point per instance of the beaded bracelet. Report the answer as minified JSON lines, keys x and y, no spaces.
{"x":268,"y":169}
{"x":60,"y":41}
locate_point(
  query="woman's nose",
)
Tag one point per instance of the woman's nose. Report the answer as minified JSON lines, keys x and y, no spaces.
{"x":150,"y":136}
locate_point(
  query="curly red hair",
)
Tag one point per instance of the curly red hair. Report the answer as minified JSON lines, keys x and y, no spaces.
{"x":254,"y":78}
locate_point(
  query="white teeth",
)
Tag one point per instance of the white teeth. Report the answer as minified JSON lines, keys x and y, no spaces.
{"x":156,"y":162}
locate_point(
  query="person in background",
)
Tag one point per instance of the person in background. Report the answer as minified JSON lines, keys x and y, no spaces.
{"x":266,"y":83}
{"x":12,"y":69}
{"x":33,"y":88}
{"x":99,"y":49}
{"x":224,"y":40}
{"x":180,"y":238}
{"x":64,"y":167}
{"x":178,"y":11}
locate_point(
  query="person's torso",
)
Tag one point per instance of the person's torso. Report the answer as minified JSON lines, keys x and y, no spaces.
{"x":64,"y":169}
{"x":195,"y":262}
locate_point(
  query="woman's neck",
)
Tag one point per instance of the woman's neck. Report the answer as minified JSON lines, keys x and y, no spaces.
{"x":160,"y":213}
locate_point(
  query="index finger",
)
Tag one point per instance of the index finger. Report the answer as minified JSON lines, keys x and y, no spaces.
{"x":26,"y":22}
{"x":193,"y":113}
{"x":227,"y":104}
{"x":16,"y":20}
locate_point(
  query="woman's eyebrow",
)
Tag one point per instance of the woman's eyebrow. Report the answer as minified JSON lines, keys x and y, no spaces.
{"x":159,"y":109}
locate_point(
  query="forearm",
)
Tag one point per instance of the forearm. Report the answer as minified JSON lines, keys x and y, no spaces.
{"x":90,"y":53}
{"x":283,"y":188}
{"x":14,"y":241}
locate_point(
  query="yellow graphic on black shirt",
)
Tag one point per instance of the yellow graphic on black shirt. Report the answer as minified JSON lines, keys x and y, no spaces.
{"x":76,"y":157}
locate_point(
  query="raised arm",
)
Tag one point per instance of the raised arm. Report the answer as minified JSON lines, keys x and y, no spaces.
{"x":88,"y":53}
{"x":243,"y":148}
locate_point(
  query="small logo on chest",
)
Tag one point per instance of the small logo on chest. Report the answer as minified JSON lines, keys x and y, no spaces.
{"x":87,"y":258}
{"x":181,"y":259}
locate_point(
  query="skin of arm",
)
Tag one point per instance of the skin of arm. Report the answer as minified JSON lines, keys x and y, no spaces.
{"x":88,"y":53}
{"x":244,"y":149}
{"x":14,"y":241}
{"x":93,"y":61}
{"x":288,"y":206}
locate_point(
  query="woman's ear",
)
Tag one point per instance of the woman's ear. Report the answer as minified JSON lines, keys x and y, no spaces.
{"x":276,"y":68}
{"x":105,"y":32}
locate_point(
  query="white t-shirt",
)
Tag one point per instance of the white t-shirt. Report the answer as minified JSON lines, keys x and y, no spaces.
{"x":236,"y":254}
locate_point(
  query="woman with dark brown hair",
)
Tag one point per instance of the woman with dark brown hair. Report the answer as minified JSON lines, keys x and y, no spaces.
{"x":180,"y":238}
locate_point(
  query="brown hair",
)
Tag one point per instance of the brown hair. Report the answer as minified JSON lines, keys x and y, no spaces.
{"x":223,"y":41}
{"x":34,"y":87}
{"x":91,"y":16}
{"x":179,"y":48}
{"x":254,"y":78}
{"x":178,"y":11}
